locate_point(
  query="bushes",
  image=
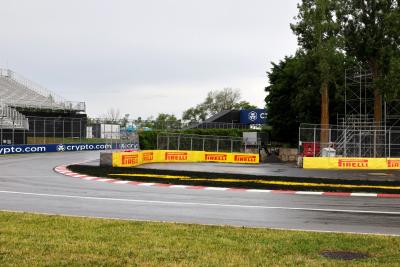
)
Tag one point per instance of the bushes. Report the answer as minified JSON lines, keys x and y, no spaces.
{"x":218,"y":132}
{"x":148,"y":140}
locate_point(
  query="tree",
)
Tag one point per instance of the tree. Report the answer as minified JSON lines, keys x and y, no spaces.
{"x":215,"y":102}
{"x":195,"y":114}
{"x":317,"y":31}
{"x":244,"y":105}
{"x":293,"y":96}
{"x":166,"y":121}
{"x":112,"y":115}
{"x":371,"y":30}
{"x":125,"y":120}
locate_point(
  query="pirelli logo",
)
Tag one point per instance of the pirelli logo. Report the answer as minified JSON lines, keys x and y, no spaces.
{"x":393,"y":163}
{"x":216,"y":157}
{"x":353,"y":163}
{"x":176,"y":156}
{"x":245,"y":158}
{"x":130,"y":159}
{"x":148,"y":156}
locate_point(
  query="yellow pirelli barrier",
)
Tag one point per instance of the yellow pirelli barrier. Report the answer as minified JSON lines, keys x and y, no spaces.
{"x":351,"y":163}
{"x":130,"y":159}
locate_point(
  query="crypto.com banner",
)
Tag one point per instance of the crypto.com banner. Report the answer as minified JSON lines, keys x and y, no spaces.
{"x":23,"y":149}
{"x":253,"y":116}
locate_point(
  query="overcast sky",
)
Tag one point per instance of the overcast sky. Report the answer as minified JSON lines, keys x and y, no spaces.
{"x":146,"y":57}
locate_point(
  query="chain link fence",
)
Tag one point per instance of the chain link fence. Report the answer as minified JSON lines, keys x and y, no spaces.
{"x":170,"y":141}
{"x":59,"y":130}
{"x":66,"y":130}
{"x":349,"y":141}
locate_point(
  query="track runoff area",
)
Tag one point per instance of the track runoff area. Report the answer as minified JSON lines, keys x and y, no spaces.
{"x":132,"y":168}
{"x":33,"y":188}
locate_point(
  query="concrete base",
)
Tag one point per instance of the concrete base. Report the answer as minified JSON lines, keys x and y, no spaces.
{"x":106,"y":159}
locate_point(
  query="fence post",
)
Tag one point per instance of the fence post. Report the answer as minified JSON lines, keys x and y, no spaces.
{"x":217,"y":145}
{"x":34,"y":130}
{"x":63,"y":130}
{"x":168,"y":142}
{"x":179,"y":142}
{"x":231,"y":145}
{"x":204,"y":141}
{"x":44,"y":131}
{"x":13,"y":133}
{"x":1,"y":131}
{"x":330,"y":136}
{"x":390,"y":137}
{"x":54,"y":130}
{"x":191,"y":143}
{"x":359,"y":148}
{"x":157,"y":143}
{"x":315,"y":130}
{"x":80,"y":130}
{"x":345,"y":143}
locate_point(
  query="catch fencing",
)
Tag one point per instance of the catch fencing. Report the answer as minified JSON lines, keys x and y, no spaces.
{"x":65,"y":130}
{"x":367,"y":141}
{"x":193,"y":142}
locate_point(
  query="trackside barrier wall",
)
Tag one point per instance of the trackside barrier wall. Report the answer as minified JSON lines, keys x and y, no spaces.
{"x":45,"y":148}
{"x":351,"y":163}
{"x":130,"y":159}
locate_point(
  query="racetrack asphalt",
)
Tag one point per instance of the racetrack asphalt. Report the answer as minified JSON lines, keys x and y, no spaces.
{"x":28,"y":183}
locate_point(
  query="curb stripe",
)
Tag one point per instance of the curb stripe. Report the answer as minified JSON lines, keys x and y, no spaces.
{"x":364,"y":195}
{"x":309,"y":193}
{"x":284,"y":191}
{"x":64,"y":171}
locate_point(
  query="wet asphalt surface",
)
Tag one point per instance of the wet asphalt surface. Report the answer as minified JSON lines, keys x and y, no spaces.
{"x":280,"y":170}
{"x":28,"y":183}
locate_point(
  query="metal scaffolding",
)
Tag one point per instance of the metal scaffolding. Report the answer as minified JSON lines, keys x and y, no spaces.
{"x":356,"y":134}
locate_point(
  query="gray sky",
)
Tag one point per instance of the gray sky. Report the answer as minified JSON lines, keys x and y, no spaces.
{"x":146,"y":57}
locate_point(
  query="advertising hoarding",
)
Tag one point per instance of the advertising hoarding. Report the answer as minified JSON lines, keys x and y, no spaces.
{"x":46,"y":148}
{"x":253,"y":116}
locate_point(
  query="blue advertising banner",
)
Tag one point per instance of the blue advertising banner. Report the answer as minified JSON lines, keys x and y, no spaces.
{"x":22,"y":149}
{"x":253,"y":116}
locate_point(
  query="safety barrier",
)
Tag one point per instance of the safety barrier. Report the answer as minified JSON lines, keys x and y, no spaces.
{"x":351,"y":163}
{"x":46,"y":148}
{"x":130,"y":159}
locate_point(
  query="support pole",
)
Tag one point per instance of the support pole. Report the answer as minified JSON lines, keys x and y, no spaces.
{"x":315,"y":130}
{"x":390,"y":135}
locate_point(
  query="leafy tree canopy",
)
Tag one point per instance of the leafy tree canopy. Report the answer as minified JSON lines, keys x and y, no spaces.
{"x":293,"y":96}
{"x":215,"y":102}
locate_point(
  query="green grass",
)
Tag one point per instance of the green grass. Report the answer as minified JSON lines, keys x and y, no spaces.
{"x":239,"y":180}
{"x":42,"y":240}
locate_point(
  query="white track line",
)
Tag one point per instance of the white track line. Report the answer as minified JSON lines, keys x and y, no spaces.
{"x":203,"y":204}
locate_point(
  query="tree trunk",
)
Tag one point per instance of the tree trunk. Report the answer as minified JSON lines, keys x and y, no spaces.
{"x":324,"y":142}
{"x":377,"y":95}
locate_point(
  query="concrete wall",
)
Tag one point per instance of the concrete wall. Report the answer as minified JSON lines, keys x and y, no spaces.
{"x":288,"y":154}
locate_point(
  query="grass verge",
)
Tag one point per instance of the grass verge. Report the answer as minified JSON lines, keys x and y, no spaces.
{"x":238,"y":180}
{"x":32,"y":240}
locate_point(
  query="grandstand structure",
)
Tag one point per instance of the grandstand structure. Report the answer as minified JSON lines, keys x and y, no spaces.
{"x":30,"y":110}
